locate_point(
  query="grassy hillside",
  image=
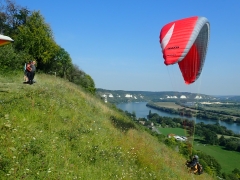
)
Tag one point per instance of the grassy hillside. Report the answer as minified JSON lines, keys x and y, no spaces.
{"x":54,"y":130}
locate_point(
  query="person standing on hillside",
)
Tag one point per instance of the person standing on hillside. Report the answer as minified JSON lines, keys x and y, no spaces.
{"x":32,"y":72}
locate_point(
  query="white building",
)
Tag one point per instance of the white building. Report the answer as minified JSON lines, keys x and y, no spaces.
{"x":183,"y":97}
{"x":172,"y":97}
{"x":198,"y":97}
{"x":128,"y":96}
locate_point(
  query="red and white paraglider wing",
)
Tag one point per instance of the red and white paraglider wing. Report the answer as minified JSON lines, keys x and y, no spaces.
{"x":5,"y":40}
{"x":185,"y":42}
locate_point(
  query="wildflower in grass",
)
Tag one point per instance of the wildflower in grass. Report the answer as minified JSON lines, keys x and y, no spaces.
{"x":6,"y":116}
{"x":12,"y":149}
{"x":8,"y":125}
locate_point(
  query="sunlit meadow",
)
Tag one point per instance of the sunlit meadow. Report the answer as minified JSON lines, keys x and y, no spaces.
{"x":54,"y":130}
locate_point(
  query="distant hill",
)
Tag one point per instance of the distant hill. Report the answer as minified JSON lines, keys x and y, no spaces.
{"x":231,"y":98}
{"x":118,"y":96}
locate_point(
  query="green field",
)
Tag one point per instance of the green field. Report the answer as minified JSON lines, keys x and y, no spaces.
{"x":229,"y":108}
{"x":227,"y":159}
{"x":171,"y":105}
{"x":176,"y":131}
{"x":227,"y":137}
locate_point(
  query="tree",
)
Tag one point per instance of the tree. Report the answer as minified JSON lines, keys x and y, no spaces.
{"x":237,"y":120}
{"x":170,"y":142}
{"x":222,"y":141}
{"x":236,"y":173}
{"x":134,"y":114}
{"x":10,"y":60}
{"x":150,"y":112}
{"x":88,"y":83}
{"x":231,"y":145}
{"x":75,"y":74}
{"x":183,"y":149}
{"x":11,"y":17}
{"x":3,"y":19}
{"x":232,"y":177}
{"x":211,"y":162}
{"x":81,"y":78}
{"x":36,"y":39}
{"x":210,"y":137}
{"x":7,"y":57}
{"x":61,"y":63}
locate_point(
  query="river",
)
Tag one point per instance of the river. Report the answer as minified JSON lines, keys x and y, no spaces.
{"x":142,"y":111}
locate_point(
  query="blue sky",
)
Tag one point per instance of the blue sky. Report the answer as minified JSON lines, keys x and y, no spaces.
{"x":117,"y":42}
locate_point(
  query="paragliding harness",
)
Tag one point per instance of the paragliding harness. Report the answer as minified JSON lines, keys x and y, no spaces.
{"x":195,"y":168}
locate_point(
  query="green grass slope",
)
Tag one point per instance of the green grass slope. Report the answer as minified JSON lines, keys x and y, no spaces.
{"x":54,"y":130}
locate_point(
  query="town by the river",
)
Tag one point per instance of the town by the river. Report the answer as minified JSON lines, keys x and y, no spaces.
{"x":141,"y":111}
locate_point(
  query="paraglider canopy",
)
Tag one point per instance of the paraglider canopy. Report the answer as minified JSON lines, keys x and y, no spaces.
{"x":5,"y":40}
{"x":185,"y":42}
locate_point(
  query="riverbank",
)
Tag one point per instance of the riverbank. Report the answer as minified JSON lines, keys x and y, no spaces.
{"x":141,"y":111}
{"x":173,"y":108}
